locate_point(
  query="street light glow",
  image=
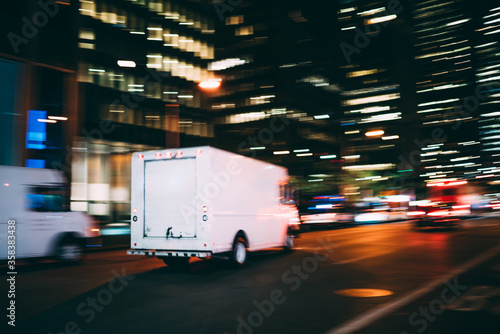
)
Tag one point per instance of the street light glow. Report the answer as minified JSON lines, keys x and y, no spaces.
{"x":58,"y":118}
{"x":374,"y":133}
{"x":126,"y":63}
{"x":210,"y":84}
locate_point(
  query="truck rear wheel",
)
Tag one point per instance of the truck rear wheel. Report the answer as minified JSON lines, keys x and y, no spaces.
{"x":239,"y":253}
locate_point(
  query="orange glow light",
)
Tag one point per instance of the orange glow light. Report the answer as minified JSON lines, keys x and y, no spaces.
{"x":210,"y":84}
{"x":374,"y":133}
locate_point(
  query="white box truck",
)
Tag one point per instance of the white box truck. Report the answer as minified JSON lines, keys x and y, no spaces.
{"x":34,"y":220}
{"x":205,"y":202}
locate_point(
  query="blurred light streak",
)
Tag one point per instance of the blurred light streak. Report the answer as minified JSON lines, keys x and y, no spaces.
{"x":381,"y":19}
{"x":126,"y":63}
{"x":374,"y":133}
{"x":58,"y":118}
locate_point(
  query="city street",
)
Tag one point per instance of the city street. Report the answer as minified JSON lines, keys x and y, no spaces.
{"x":432,"y":281}
{"x":160,"y":156}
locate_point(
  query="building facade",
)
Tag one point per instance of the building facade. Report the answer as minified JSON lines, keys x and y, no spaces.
{"x":419,"y":92}
{"x":279,"y":98}
{"x":92,"y":81}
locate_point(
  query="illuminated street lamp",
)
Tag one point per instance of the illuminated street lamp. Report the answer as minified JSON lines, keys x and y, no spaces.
{"x":210,"y":84}
{"x":374,"y":133}
{"x":126,"y":63}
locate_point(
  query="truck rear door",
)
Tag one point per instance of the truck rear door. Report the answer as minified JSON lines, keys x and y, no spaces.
{"x":169,"y":198}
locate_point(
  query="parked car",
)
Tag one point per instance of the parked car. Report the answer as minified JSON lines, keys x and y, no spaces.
{"x":326,"y":215}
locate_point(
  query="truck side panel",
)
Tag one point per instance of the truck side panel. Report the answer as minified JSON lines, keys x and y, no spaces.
{"x":246,"y":198}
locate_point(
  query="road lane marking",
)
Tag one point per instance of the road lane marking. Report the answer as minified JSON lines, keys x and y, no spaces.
{"x":383,"y":310}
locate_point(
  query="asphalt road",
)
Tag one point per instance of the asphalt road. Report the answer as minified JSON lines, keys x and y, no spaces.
{"x":432,"y":281}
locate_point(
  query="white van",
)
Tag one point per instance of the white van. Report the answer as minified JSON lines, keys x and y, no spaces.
{"x":205,"y":202}
{"x":35,"y":218}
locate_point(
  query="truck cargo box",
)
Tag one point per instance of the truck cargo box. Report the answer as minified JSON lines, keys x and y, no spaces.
{"x":203,"y":202}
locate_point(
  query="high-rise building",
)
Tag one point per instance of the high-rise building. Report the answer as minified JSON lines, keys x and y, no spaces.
{"x":444,"y":61}
{"x":99,"y":79}
{"x":38,"y":82}
{"x":139,"y":65}
{"x":377,"y":83}
{"x":279,"y":99}
{"x":487,"y":72}
{"x":416,"y":76}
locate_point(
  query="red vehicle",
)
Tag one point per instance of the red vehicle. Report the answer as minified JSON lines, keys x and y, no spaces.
{"x":447,"y":205}
{"x":434,"y":214}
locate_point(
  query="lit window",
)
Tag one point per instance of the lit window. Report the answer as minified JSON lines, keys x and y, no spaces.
{"x":361,"y":73}
{"x":244,"y":31}
{"x":233,"y":20}
{"x":86,"y":34}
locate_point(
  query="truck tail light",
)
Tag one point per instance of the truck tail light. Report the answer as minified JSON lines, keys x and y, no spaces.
{"x":140,"y":156}
{"x":198,"y":152}
{"x":438,"y":213}
{"x":205,"y":209}
{"x":416,"y":213}
{"x":179,"y":154}
{"x":134,"y":210}
{"x":168,"y":155}
{"x":158,"y":155}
